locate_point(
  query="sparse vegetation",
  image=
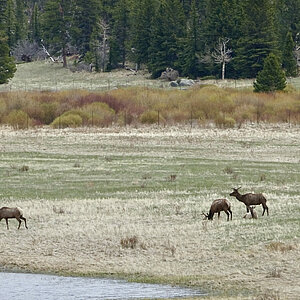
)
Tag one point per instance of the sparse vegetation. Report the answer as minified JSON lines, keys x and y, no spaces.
{"x":102,"y":202}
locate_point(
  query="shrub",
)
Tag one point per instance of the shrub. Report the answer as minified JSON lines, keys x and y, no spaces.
{"x":18,"y":119}
{"x":224,"y":122}
{"x":67,"y":120}
{"x":49,"y":112}
{"x":151,"y":117}
{"x":2,"y":108}
{"x":98,"y":114}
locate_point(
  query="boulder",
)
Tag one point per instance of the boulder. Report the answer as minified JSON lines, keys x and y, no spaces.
{"x":169,"y":74}
{"x":174,"y":84}
{"x":185,"y":82}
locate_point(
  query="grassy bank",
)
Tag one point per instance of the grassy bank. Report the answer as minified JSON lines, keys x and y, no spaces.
{"x":128,"y":201}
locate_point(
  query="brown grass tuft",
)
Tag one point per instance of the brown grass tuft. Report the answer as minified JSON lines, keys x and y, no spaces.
{"x":279,"y":246}
{"x":129,"y":242}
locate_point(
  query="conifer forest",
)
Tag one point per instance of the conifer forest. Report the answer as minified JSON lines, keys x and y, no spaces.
{"x":198,"y":38}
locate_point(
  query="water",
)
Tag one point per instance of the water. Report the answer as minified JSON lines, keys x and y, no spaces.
{"x":23,"y":286}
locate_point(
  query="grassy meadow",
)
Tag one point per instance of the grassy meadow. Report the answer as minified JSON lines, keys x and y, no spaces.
{"x":47,"y":76}
{"x":128,"y":201}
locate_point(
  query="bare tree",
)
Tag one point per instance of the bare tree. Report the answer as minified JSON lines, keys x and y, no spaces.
{"x":104,"y":47}
{"x":222,"y":54}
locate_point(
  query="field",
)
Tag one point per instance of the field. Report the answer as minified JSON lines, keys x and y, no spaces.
{"x":127,"y":202}
{"x":46,"y":76}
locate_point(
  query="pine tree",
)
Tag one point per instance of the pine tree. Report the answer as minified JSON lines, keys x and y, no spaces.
{"x":120,"y":31}
{"x":258,"y":38}
{"x":20,"y":21}
{"x":10,"y":23}
{"x":56,"y":24}
{"x":158,"y":57}
{"x":141,"y":17}
{"x":189,"y":55}
{"x":288,"y":59}
{"x":3,"y":5}
{"x":222,"y":20}
{"x":7,"y":64}
{"x":166,"y":32}
{"x":85,"y":17}
{"x":271,"y":78}
{"x":35,"y":30}
{"x":288,"y":20}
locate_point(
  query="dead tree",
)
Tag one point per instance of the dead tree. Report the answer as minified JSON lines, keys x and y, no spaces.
{"x":104,"y":45}
{"x":222,"y":54}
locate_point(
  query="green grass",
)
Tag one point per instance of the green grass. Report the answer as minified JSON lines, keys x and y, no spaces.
{"x":46,"y":76}
{"x":116,"y":183}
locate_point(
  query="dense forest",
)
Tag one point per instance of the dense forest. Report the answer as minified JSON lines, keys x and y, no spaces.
{"x":199,"y":38}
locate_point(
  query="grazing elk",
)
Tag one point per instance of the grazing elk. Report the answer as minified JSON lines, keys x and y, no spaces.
{"x":216,"y":207}
{"x":12,"y":213}
{"x":251,"y":199}
{"x":251,"y":214}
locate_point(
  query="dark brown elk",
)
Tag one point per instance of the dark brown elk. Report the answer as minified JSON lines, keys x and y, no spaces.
{"x":12,"y":213}
{"x":251,"y":199}
{"x":217,"y":206}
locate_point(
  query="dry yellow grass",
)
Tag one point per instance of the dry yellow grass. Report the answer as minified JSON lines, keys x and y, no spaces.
{"x":168,"y":240}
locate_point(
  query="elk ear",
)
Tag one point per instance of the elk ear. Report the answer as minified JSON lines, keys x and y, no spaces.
{"x":238,"y":188}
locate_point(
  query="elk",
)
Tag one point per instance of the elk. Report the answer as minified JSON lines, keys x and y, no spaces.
{"x":252,"y":214}
{"x":217,"y":206}
{"x":251,"y":199}
{"x":12,"y":213}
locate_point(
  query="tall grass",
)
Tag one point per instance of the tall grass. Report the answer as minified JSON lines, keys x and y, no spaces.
{"x":200,"y":105}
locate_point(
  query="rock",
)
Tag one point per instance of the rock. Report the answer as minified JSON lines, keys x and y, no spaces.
{"x":169,"y":74}
{"x":174,"y":84}
{"x":185,"y":82}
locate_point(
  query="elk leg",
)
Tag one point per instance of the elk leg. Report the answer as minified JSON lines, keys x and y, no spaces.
{"x":19,"y":222}
{"x":248,"y":209}
{"x":6,"y":223}
{"x":219,"y":215}
{"x":265,"y":208}
{"x":24,"y":221}
{"x":230,"y":213}
{"x":227,"y":213}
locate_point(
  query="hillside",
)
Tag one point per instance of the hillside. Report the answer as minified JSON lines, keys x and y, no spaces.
{"x":47,"y":76}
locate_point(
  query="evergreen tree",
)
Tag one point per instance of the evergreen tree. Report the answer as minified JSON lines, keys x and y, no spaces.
{"x":20,"y":21}
{"x":271,"y":78}
{"x":120,"y":32}
{"x":288,"y":20}
{"x":288,"y":59}
{"x":158,"y":56}
{"x":140,"y":30}
{"x":10,"y":24}
{"x":258,"y":38}
{"x":7,"y":64}
{"x":167,"y":29}
{"x":35,"y":31}
{"x":222,"y":19}
{"x":3,"y":5}
{"x":189,"y":57}
{"x":85,"y":17}
{"x":56,"y":25}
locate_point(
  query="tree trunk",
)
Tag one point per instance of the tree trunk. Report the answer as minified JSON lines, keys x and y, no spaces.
{"x":64,"y":57}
